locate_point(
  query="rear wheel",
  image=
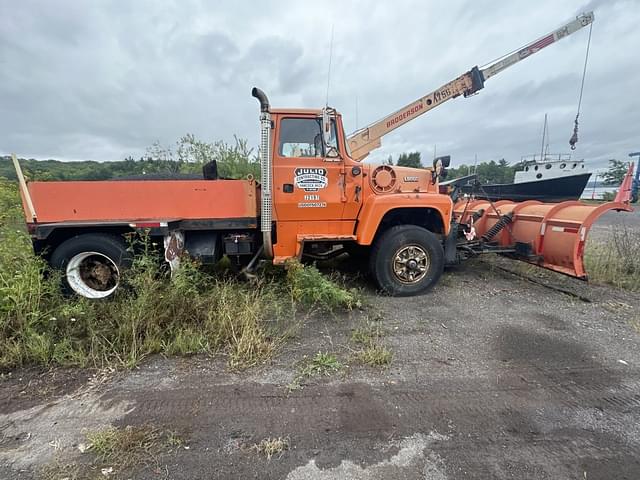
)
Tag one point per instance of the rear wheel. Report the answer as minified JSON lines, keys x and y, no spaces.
{"x":91,"y":264}
{"x":406,"y":260}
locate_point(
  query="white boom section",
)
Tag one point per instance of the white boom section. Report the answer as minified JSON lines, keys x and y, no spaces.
{"x":573,"y":26}
{"x":363,"y":141}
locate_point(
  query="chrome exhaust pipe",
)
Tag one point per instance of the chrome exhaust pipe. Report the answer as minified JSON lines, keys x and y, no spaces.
{"x":266,"y":216}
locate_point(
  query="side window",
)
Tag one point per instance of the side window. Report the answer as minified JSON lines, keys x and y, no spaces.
{"x":302,"y":137}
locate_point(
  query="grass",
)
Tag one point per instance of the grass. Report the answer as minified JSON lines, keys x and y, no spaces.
{"x":617,"y":261}
{"x":272,"y":446}
{"x":126,"y":446}
{"x":322,"y":364}
{"x":375,"y":355}
{"x":112,"y":450}
{"x":195,"y":312}
{"x":370,"y":349}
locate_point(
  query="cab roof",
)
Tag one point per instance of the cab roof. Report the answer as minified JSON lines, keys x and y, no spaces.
{"x":307,"y":111}
{"x":297,"y":111}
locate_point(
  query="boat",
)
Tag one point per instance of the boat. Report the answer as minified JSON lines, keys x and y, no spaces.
{"x":544,"y":177}
{"x":553,"y":178}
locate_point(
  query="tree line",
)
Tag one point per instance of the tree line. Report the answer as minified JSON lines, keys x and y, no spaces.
{"x":235,"y":160}
{"x":487,"y":172}
{"x":184,"y":159}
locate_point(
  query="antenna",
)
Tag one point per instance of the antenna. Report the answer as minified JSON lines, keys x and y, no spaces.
{"x":329,"y":70}
{"x":356,"y":110}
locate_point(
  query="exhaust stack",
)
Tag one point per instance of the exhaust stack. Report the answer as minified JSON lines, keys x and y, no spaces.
{"x":265,"y":170}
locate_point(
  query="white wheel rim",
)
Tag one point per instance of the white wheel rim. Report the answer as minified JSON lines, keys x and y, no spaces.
{"x":92,"y":275}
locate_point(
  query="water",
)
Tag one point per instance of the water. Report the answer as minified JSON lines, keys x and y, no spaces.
{"x":596,"y":193}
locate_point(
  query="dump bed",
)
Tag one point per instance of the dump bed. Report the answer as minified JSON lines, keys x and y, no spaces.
{"x":139,"y":200}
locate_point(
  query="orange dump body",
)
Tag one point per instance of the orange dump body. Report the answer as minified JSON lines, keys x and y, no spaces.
{"x":556,"y":232}
{"x":112,"y":201}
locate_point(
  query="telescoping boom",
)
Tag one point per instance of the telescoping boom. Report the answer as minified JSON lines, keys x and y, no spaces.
{"x":363,"y":141}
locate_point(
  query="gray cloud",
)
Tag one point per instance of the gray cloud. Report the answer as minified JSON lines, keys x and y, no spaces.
{"x":104,"y":80}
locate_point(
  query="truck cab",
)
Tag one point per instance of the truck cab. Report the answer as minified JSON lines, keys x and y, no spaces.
{"x":324,"y":202}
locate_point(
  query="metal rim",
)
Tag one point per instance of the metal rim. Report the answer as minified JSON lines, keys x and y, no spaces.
{"x":92,"y":275}
{"x":410,"y":264}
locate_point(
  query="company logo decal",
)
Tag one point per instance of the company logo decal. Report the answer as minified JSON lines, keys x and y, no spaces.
{"x":311,"y":179}
{"x":404,"y":115}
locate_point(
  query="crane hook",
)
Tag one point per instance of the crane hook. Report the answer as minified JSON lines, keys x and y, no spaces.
{"x":574,"y":138}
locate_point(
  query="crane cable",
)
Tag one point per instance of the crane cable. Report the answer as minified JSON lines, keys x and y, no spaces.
{"x":574,"y":138}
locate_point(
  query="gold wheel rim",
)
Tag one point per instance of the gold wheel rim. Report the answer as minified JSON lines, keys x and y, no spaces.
{"x":411,"y":264}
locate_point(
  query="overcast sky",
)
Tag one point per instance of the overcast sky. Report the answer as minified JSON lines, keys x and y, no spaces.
{"x":102,"y":80}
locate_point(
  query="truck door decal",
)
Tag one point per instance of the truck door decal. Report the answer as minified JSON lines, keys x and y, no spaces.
{"x":311,"y":179}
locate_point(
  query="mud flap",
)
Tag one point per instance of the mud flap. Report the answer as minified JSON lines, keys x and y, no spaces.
{"x":450,"y":245}
{"x":550,"y":235}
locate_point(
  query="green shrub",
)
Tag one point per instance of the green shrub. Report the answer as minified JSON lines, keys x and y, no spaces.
{"x":312,"y":289}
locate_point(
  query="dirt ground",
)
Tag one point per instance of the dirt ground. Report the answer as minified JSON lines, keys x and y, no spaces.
{"x":493,"y":377}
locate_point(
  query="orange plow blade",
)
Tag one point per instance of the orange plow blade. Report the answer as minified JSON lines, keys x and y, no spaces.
{"x":550,"y":235}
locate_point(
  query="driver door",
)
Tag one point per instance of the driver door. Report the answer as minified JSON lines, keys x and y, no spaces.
{"x":307,"y":185}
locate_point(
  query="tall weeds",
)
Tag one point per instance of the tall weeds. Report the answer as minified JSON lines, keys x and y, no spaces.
{"x":191,"y":312}
{"x":615,"y":261}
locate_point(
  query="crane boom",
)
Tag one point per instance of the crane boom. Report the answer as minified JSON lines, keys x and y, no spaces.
{"x":363,"y":141}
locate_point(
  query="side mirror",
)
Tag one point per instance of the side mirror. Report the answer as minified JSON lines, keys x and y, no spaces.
{"x":326,"y":126}
{"x":444,"y":160}
{"x":440,"y":165}
{"x":328,"y":134}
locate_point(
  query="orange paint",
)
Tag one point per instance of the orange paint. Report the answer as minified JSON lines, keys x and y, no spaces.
{"x":125,"y":200}
{"x":557,"y":232}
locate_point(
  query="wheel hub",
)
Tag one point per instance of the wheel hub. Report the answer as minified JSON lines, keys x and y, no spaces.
{"x":410,"y":264}
{"x":92,"y":275}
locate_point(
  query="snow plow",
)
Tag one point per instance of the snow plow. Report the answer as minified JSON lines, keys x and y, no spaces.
{"x":550,"y":235}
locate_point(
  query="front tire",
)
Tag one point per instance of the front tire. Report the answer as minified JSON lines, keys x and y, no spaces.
{"x":406,"y":260}
{"x":91,"y":264}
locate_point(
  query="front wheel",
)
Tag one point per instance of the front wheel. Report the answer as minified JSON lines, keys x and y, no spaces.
{"x":406,"y":260}
{"x":92,"y":264}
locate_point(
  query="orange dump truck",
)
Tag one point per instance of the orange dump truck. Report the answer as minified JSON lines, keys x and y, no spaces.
{"x":315,"y":198}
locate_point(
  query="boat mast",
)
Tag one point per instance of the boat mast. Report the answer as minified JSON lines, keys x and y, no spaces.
{"x":544,"y":132}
